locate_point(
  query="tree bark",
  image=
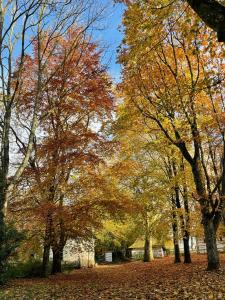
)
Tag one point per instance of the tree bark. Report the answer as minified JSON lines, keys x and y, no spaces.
{"x":185,"y":233}
{"x":210,"y":239}
{"x":187,"y":254}
{"x":175,"y":238}
{"x":212,"y":13}
{"x":58,"y":243}
{"x":174,"y":216}
{"x":124,"y":250}
{"x":207,"y":219}
{"x":57,"y":260}
{"x":176,"y":245}
{"x":148,"y":252}
{"x":45,"y":260}
{"x":184,"y":230}
{"x":4,"y":168}
{"x":2,"y":240}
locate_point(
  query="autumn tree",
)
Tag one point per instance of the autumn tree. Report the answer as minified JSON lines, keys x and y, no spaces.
{"x":148,"y":183}
{"x":21,"y":23}
{"x":175,"y":172}
{"x":164,"y":170}
{"x":117,"y":235}
{"x":170,"y":86}
{"x":211,"y":12}
{"x":76,"y":96}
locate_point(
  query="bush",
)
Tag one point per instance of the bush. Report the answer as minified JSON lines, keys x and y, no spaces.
{"x":28,"y":269}
{"x":10,"y":240}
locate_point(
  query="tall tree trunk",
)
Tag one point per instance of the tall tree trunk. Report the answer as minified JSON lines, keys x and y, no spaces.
{"x":174,"y":217}
{"x":45,"y":259}
{"x":210,"y":239}
{"x":2,"y":236}
{"x":185,"y":233}
{"x":207,"y":220}
{"x":58,"y":243}
{"x":4,"y":158}
{"x":57,"y":260}
{"x":187,"y":255}
{"x":175,"y":241}
{"x":4,"y":169}
{"x":124,"y":249}
{"x":175,"y":233}
{"x":148,"y":252}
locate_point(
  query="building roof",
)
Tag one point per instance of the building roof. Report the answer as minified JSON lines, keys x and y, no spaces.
{"x":140,"y":243}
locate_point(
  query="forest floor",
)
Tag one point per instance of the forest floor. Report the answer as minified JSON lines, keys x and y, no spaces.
{"x":160,"y":279}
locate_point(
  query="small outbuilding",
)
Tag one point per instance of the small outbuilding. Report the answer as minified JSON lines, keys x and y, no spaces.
{"x":136,"y":250}
{"x":79,"y":252}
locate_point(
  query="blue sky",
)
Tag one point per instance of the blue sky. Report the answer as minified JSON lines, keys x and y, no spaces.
{"x":106,"y":32}
{"x":110,"y":37}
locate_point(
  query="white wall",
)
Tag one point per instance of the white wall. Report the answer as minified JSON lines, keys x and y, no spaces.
{"x":79,"y":252}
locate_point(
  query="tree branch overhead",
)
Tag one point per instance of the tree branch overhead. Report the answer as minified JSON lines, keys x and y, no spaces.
{"x":212,"y":13}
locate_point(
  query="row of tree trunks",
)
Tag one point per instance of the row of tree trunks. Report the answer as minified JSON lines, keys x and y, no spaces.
{"x":184,"y":231}
{"x":184,"y":217}
{"x":57,"y":252}
{"x":187,"y":254}
{"x":50,"y":242}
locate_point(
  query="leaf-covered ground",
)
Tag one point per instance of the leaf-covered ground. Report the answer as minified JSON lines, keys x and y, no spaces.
{"x":160,"y":279}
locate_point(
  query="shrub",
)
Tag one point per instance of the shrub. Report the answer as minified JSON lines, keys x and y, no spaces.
{"x":10,"y":240}
{"x":28,"y":269}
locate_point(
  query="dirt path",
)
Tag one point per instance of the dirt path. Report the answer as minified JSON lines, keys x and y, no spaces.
{"x":160,"y":279}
